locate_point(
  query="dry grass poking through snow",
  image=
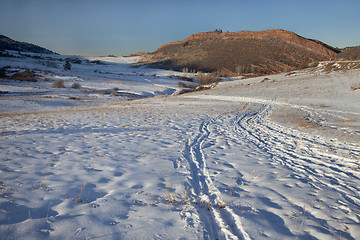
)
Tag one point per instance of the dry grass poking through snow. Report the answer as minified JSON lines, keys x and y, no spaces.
{"x":336,"y":128}
{"x":207,"y":78}
{"x":329,"y":67}
{"x":355,"y":86}
{"x":297,"y":118}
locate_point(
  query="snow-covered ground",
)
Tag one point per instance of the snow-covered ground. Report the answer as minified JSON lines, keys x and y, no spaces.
{"x":262,"y":158}
{"x":101,"y":80}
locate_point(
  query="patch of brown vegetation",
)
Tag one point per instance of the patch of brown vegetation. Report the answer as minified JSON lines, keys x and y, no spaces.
{"x":355,"y":86}
{"x":26,"y":75}
{"x":336,"y":128}
{"x":207,"y":78}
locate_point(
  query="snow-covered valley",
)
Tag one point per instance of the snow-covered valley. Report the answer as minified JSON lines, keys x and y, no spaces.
{"x":274,"y":157}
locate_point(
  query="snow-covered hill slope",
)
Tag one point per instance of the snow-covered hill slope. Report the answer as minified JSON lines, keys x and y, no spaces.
{"x":262,"y":158}
{"x":99,"y":80}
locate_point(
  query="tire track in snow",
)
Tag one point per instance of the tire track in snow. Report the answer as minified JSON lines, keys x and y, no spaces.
{"x":219,"y":219}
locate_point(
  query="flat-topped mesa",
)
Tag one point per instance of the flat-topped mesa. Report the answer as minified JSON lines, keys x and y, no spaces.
{"x":285,"y":35}
{"x":242,"y":52}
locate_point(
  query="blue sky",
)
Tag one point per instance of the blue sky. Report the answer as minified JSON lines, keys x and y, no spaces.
{"x":127,"y":26}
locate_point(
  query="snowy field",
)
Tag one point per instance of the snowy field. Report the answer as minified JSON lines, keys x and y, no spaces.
{"x":274,"y":157}
{"x":100,"y":80}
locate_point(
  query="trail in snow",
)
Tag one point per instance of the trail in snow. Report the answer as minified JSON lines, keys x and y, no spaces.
{"x":304,"y":154}
{"x":323,"y":164}
{"x":220,"y":219}
{"x":273,"y":102}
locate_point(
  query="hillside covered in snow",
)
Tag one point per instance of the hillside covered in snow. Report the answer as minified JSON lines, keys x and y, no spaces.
{"x":106,"y":149}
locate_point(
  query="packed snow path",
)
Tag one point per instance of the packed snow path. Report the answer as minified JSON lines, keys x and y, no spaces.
{"x":312,"y":163}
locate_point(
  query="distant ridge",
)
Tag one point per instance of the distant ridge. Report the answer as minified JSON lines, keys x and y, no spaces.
{"x":263,"y":52}
{"x":349,"y":53}
{"x":7,"y":43}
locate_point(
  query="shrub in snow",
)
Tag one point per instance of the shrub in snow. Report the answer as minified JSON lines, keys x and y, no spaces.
{"x":67,"y":66}
{"x":3,"y":72}
{"x":76,"y":85}
{"x":59,"y":84}
{"x":207,"y":78}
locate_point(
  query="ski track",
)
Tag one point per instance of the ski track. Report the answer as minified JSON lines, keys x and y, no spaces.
{"x":220,"y":220}
{"x":311,"y":158}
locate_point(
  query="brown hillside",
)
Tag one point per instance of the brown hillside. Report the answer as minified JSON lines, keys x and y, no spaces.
{"x":263,"y":52}
{"x":350,"y":53}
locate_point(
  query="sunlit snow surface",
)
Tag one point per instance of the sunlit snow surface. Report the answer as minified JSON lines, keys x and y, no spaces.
{"x":250,"y":159}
